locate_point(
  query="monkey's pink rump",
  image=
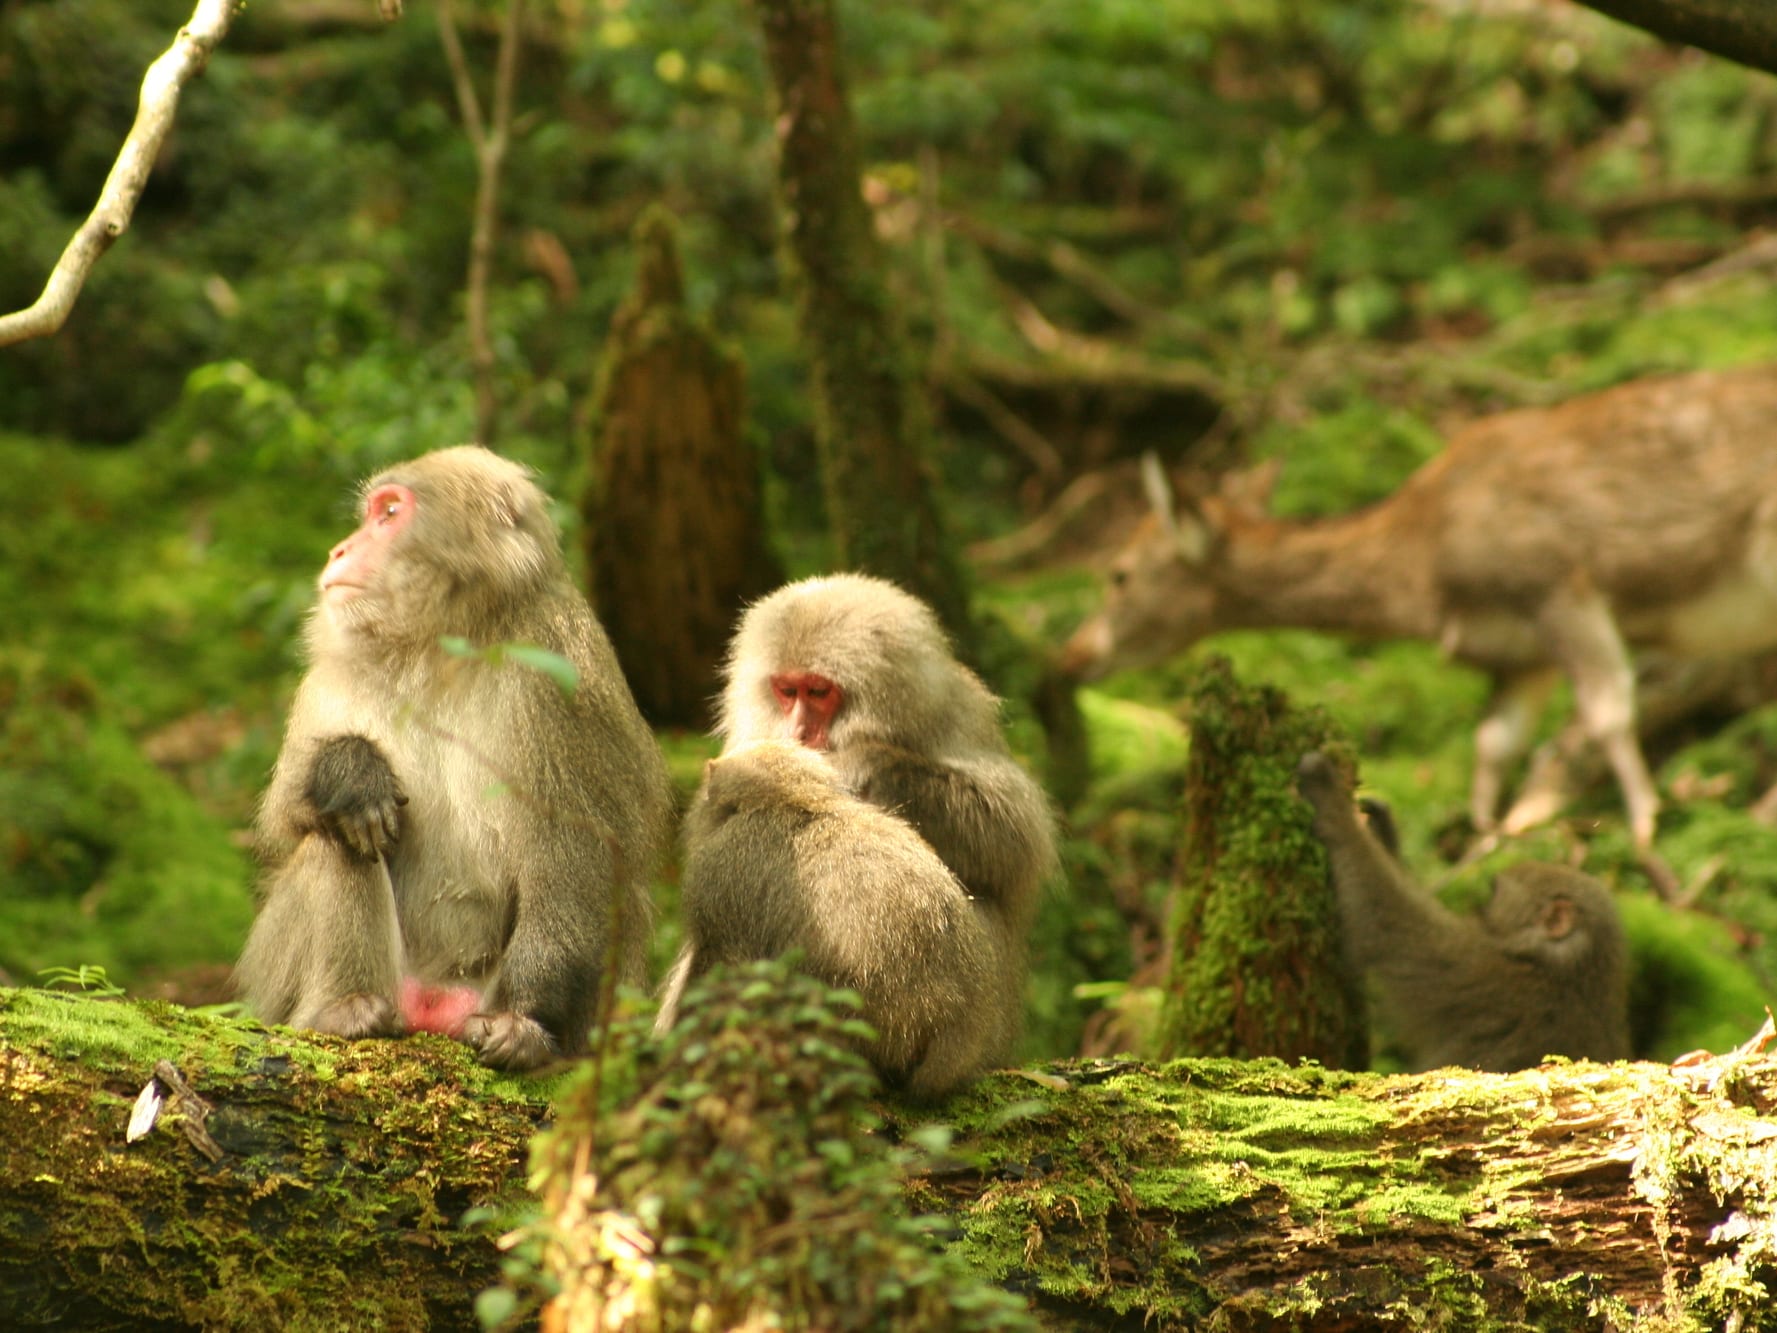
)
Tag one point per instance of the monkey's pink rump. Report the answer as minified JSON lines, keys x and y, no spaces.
{"x":441,"y":1009}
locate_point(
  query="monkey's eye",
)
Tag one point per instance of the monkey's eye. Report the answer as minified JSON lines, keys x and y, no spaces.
{"x":384,"y":506}
{"x":817,"y":691}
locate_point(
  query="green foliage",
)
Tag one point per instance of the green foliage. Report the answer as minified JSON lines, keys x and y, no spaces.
{"x":726,"y":1176}
{"x":106,"y":863}
{"x":553,"y":665}
{"x":86,"y":977}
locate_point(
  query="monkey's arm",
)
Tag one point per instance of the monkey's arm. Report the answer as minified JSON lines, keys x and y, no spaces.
{"x":355,"y":795}
{"x":985,"y":817}
{"x":331,"y":779}
{"x":1388,"y":922}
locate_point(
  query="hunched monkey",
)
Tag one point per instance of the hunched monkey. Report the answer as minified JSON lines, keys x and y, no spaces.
{"x":859,"y":670}
{"x":781,"y":856}
{"x":1543,"y":970}
{"x":452,"y":843}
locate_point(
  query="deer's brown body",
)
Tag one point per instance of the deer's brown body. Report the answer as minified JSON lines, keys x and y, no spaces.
{"x":1539,"y":541}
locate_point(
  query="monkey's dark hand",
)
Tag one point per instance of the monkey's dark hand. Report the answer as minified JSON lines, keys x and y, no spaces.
{"x":360,"y":1014}
{"x":508,"y":1040}
{"x":1318,"y":780}
{"x":356,"y":795}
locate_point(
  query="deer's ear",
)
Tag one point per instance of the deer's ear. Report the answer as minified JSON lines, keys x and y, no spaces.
{"x":1157,"y":486}
{"x":1248,"y":491}
{"x":1185,"y":526}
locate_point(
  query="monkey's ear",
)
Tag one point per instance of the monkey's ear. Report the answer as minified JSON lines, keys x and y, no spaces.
{"x":1559,"y":917}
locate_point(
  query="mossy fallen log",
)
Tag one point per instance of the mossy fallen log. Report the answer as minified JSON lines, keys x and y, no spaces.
{"x":1201,"y":1193}
{"x":1240,"y":1195}
{"x":336,"y":1202}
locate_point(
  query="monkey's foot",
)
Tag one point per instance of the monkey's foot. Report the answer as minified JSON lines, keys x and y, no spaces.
{"x":509,"y":1041}
{"x":359,"y":1015}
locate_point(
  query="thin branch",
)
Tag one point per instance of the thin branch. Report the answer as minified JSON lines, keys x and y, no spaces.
{"x":489,"y":139}
{"x":110,"y":218}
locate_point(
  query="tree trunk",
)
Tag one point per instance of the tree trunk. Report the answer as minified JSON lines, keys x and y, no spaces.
{"x":873,"y":430}
{"x":1256,"y":965}
{"x":1742,"y":30}
{"x":675,"y":530}
{"x":1109,"y":1194}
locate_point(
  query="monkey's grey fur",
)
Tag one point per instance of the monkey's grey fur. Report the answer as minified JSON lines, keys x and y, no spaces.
{"x":916,"y":734}
{"x":780,"y":856}
{"x":454,"y":819}
{"x":1542,"y":971}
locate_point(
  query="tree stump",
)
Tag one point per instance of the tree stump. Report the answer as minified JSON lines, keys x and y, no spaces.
{"x":675,"y":531}
{"x":1256,"y":962}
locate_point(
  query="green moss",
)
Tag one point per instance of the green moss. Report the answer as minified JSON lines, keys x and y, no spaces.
{"x":1255,"y":962}
{"x":344,"y":1164}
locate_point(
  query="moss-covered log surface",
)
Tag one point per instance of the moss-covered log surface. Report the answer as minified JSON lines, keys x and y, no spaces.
{"x":1202,"y":1193}
{"x":1254,"y":1195}
{"x":344,"y":1173}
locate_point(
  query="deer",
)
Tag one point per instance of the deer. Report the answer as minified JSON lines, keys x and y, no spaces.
{"x":1539,"y":542}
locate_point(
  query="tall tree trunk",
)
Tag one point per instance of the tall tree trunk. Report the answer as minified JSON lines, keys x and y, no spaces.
{"x":1256,"y":965}
{"x":675,"y":530}
{"x":873,"y":429}
{"x":1742,"y":30}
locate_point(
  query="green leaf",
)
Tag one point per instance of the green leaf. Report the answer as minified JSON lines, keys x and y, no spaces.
{"x":554,"y":665}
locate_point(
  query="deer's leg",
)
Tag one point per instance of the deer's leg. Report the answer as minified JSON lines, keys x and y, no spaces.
{"x":1584,"y":639}
{"x":1503,"y":737}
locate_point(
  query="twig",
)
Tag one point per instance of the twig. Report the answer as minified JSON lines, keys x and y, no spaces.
{"x":110,"y":217}
{"x":489,"y":138}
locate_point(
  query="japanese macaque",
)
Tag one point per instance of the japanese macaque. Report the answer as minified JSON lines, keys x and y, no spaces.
{"x":453,"y":843}
{"x":781,"y":856}
{"x":860,"y":671}
{"x":1542,"y":971}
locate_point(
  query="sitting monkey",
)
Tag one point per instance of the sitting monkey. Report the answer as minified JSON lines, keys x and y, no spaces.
{"x":1541,"y":971}
{"x":780,"y":856}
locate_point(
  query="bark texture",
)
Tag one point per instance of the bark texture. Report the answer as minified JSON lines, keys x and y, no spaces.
{"x":873,"y":430}
{"x":1742,"y":30}
{"x":675,"y":525}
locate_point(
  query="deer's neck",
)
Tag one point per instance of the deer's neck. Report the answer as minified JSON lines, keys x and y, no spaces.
{"x":1361,"y":574}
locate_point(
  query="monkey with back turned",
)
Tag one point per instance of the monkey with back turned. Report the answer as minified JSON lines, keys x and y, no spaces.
{"x":1543,"y":970}
{"x":452,"y":843}
{"x":780,"y":856}
{"x":860,"y":672}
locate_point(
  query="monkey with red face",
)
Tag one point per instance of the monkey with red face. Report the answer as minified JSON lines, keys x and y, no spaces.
{"x":860,"y":671}
{"x":452,"y":843}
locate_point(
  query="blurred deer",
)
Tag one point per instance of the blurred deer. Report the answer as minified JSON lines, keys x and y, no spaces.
{"x":1540,"y":542}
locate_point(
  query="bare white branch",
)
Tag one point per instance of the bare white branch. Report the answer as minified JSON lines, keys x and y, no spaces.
{"x":110,"y":218}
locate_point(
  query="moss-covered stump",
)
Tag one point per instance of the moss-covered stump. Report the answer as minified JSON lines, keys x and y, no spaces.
{"x":1226,"y":1195}
{"x":1256,"y":967}
{"x":334,"y":1201}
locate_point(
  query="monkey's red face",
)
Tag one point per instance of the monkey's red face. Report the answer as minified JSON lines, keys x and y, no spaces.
{"x":809,"y":703}
{"x":356,"y":563}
